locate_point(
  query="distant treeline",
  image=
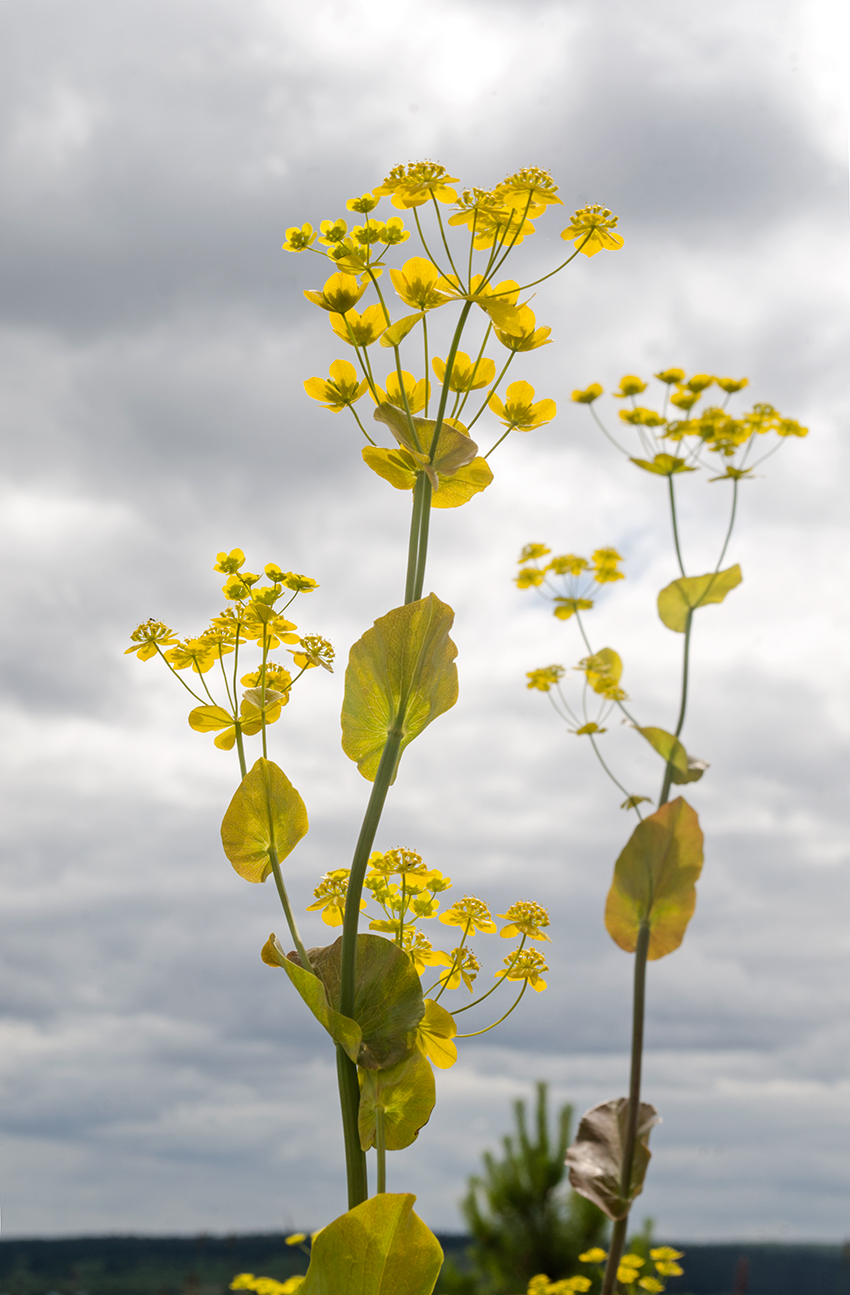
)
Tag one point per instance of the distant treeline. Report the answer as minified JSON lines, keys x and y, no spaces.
{"x":205,"y":1265}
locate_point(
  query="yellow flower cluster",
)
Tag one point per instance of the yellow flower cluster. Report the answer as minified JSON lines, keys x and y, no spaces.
{"x":253,"y":618}
{"x":663,"y":1259}
{"x":581,"y":577}
{"x":491,"y":223}
{"x":712,"y":428}
{"x":265,"y":1285}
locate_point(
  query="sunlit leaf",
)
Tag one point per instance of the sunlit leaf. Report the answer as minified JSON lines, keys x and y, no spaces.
{"x":266,"y":813}
{"x":397,"y":332}
{"x":665,"y":465}
{"x":655,"y":880}
{"x":388,"y":1002}
{"x":207,"y":719}
{"x":595,"y":1158}
{"x":379,"y":1248}
{"x":396,"y":466}
{"x":401,"y":675}
{"x":400,"y":468}
{"x":407,"y":1094}
{"x":684,"y":768}
{"x":455,"y":448}
{"x":341,"y":1028}
{"x":684,"y":595}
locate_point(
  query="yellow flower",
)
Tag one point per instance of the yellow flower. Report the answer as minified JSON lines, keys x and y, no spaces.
{"x":368,"y":235}
{"x":295,"y":1239}
{"x":528,"y":577}
{"x":651,"y":1284}
{"x":417,"y":183}
{"x":567,"y":606}
{"x":665,"y":1254}
{"x":630,"y":385}
{"x":525,"y":918}
{"x":490,"y":218}
{"x":393,"y":232}
{"x":330,"y":897}
{"x":415,"y":282}
{"x":199,"y":653}
{"x":272,"y":675}
{"x":266,"y":1285}
{"x":465,"y":375}
{"x":731,"y":385}
{"x":297,"y":239}
{"x":144,"y":640}
{"x":333,"y":231}
{"x":263,"y":624}
{"x":364,"y":204}
{"x":684,"y":399}
{"x":229,"y":563}
{"x":699,"y":382}
{"x":519,"y":410}
{"x":531,"y":188}
{"x":339,"y":391}
{"x":527,"y":965}
{"x":434,"y":1035}
{"x":593,"y":1256}
{"x":592,"y":230}
{"x":605,"y":562}
{"x":463,"y":966}
{"x":532,"y":551}
{"x":568,"y":564}
{"x":545,"y":677}
{"x":340,"y":293}
{"x":671,"y":376}
{"x":298,"y":583}
{"x":602,"y":671}
{"x":470,"y":913}
{"x":420,"y":949}
{"x":314,"y":651}
{"x":587,"y":397}
{"x":642,"y":417}
{"x":530,"y":337}
{"x":417,"y":392}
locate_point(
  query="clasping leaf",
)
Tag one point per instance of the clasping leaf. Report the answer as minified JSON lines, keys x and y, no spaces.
{"x":265,"y":815}
{"x":654,"y":880}
{"x":379,"y":1248}
{"x":595,"y":1158}
{"x":401,"y":675}
{"x":683,"y":596}
{"x":455,"y":448}
{"x":342,"y":1029}
{"x":683,"y":767}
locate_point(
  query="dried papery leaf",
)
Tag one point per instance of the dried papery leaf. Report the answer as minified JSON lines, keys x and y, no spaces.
{"x":266,"y":813}
{"x":406,"y":1092}
{"x":388,"y":1002}
{"x":401,"y":675}
{"x":595,"y":1158}
{"x":684,"y":767}
{"x":683,"y":596}
{"x":379,"y":1248}
{"x":655,"y":880}
{"x":342,"y":1029}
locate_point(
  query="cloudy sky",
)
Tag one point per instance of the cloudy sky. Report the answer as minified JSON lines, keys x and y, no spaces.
{"x":156,"y":1077}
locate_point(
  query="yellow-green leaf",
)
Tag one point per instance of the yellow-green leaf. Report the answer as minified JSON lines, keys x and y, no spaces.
{"x":458,"y":489}
{"x":455,"y":448}
{"x":665,"y":465}
{"x":207,"y":719}
{"x":342,"y":1029}
{"x":595,"y":1158}
{"x":407,"y":1094}
{"x":388,"y":1002}
{"x":684,"y":768}
{"x":266,"y":814}
{"x":401,"y":675}
{"x":379,"y":1248}
{"x":683,"y":596}
{"x":655,"y":880}
{"x":397,"y":332}
{"x":396,"y":466}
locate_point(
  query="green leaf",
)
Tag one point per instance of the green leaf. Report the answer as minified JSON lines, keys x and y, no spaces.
{"x":458,"y":489}
{"x":265,"y":814}
{"x":388,"y":1002}
{"x":665,"y":465}
{"x":684,"y":768}
{"x":596,"y":1156}
{"x":401,"y":675}
{"x":654,"y":880}
{"x":397,"y":332}
{"x":455,"y":448}
{"x":207,"y":719}
{"x":683,"y":596}
{"x":407,"y":1092}
{"x":342,"y":1029}
{"x":379,"y":1248}
{"x":396,"y":466}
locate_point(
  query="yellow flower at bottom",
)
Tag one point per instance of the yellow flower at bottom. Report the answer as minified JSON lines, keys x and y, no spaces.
{"x":338,"y":391}
{"x":434,"y":1035}
{"x":595,"y":1255}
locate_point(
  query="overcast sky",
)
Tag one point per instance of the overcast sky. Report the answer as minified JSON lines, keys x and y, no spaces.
{"x":156,"y":1077}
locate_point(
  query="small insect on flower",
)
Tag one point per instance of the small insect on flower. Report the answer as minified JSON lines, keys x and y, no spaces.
{"x":527,"y":965}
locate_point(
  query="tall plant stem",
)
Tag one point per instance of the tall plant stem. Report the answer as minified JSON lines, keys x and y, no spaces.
{"x":730,"y":527}
{"x":618,"y":1234}
{"x":668,"y":772}
{"x":424,"y":526}
{"x":413,"y":545}
{"x":284,"y":899}
{"x":675,"y":523}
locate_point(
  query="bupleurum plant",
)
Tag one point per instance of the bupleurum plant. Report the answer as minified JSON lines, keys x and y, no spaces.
{"x":653,"y":893}
{"x":366,"y":988}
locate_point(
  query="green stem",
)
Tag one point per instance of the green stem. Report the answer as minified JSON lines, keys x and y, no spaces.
{"x":675,"y":524}
{"x":731,"y":525}
{"x":413,"y":543}
{"x":424,"y":526}
{"x":240,"y":749}
{"x":515,"y":1003}
{"x":381,"y":1148}
{"x":441,"y":412}
{"x":499,"y":982}
{"x":618,"y":1236}
{"x":290,"y":919}
{"x":355,"y":1159}
{"x":668,"y":772}
{"x":615,"y":781}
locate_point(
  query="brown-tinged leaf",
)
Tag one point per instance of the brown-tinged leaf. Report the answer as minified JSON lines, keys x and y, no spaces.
{"x":379,"y":1248}
{"x":401,"y":675}
{"x":266,"y":813}
{"x":655,"y":880}
{"x":342,"y":1029}
{"x":407,"y":1092}
{"x":595,"y":1158}
{"x":679,"y":599}
{"x":455,"y":448}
